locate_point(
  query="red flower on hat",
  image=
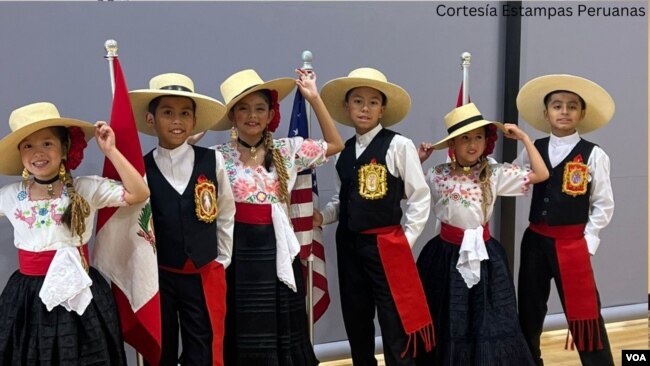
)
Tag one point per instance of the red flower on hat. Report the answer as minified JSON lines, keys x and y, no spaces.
{"x":275,"y":106}
{"x":77,"y":145}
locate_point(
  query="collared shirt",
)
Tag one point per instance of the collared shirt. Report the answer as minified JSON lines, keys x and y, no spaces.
{"x":177,"y":165}
{"x":402,"y":161}
{"x":601,"y":198}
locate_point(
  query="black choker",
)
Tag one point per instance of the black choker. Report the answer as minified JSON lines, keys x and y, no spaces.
{"x":467,"y":169}
{"x":48,"y":181}
{"x":253,"y":149}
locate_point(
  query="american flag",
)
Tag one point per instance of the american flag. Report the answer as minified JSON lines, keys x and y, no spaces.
{"x":125,"y":244}
{"x":303,"y":198}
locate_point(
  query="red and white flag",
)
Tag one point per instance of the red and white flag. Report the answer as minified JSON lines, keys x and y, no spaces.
{"x":303,"y":198}
{"x":125,"y":248}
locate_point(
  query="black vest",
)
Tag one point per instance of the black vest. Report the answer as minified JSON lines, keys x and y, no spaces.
{"x":179,"y":233}
{"x":356,"y":212}
{"x":549,"y":204}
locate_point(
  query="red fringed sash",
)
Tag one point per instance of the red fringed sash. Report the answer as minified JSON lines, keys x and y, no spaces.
{"x":213,"y":278}
{"x":405,"y":286}
{"x":578,"y":285}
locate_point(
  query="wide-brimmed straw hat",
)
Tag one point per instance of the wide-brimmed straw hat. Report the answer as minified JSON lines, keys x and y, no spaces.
{"x":530,"y":101}
{"x":242,"y":83}
{"x":28,"y":119}
{"x":208,"y":110}
{"x":462,"y":120}
{"x":398,"y":101}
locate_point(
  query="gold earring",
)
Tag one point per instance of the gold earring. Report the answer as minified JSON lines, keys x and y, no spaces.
{"x":453,"y":160}
{"x":25,"y":177}
{"x":233,"y":134}
{"x":62,"y":172}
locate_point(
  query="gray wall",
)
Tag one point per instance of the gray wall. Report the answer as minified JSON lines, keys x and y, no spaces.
{"x":54,"y":52}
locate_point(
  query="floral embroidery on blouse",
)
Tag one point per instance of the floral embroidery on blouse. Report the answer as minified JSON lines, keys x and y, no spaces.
{"x":256,"y":185}
{"x":457,"y":200}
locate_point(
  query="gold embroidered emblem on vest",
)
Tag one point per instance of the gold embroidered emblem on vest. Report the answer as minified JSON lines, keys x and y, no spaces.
{"x":575,"y":178}
{"x":372,"y":181}
{"x":205,"y":199}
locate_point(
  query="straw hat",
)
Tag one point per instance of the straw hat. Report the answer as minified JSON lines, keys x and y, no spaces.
{"x":242,"y":83}
{"x":26,"y":120}
{"x":398,"y":101}
{"x":462,"y":120}
{"x":530,"y":101}
{"x":208,"y":110}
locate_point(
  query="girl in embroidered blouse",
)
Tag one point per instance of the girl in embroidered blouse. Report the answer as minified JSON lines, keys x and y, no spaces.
{"x":464,"y":270}
{"x":56,"y":309}
{"x":265,"y":296}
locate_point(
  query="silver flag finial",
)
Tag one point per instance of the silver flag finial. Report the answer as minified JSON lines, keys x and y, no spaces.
{"x":306,"y":60}
{"x":111,"y":48}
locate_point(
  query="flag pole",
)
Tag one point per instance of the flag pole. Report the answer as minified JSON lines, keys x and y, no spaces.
{"x":111,"y":53}
{"x":307,"y":65}
{"x":466,"y":59}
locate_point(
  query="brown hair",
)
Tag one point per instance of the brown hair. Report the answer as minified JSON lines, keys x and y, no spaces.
{"x":74,"y":216}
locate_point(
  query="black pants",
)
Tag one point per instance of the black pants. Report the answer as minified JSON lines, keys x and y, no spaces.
{"x":364,"y":287}
{"x":182,"y":301}
{"x":538,"y":266}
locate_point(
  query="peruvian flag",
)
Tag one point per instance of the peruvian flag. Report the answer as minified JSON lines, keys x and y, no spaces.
{"x":125,"y":248}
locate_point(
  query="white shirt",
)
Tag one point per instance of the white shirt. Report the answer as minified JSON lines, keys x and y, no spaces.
{"x":177,"y":165}
{"x":402,"y":161}
{"x":601,"y":199}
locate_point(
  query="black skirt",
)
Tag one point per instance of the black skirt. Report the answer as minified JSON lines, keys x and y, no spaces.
{"x":31,"y":335}
{"x":477,"y":326}
{"x":266,"y":322}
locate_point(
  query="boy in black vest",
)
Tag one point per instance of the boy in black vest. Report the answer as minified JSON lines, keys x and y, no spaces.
{"x":193,"y":214}
{"x":376,"y":170}
{"x":567,"y":212}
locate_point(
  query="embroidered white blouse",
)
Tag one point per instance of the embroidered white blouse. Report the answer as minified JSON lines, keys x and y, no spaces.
{"x":259,"y":186}
{"x":37,"y":224}
{"x":457,"y":200}
{"x":38,"y":227}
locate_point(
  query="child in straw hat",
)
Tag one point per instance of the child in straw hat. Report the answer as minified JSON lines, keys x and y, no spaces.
{"x":464,"y":270}
{"x":266,"y":323}
{"x":55,"y":308}
{"x":567,"y":212}
{"x":377,"y":169}
{"x":193,"y":209}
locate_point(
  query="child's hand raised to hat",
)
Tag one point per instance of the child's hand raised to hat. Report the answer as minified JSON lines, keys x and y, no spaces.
{"x":424,"y":151}
{"x":514,"y":132}
{"x":306,"y":82}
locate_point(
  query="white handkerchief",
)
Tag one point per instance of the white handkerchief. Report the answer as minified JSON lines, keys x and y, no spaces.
{"x":287,"y":245}
{"x":66,"y":282}
{"x":472,"y":252}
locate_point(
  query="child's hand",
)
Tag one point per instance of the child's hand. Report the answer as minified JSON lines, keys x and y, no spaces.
{"x":192,"y":140}
{"x":317,"y":218}
{"x":306,"y":82}
{"x":424,"y":151}
{"x":105,"y":137}
{"x":514,"y":132}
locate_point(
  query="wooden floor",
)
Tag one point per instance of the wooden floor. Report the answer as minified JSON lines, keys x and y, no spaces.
{"x":633,"y":334}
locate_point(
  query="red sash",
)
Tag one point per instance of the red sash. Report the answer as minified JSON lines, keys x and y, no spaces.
{"x":405,"y":286}
{"x":454,"y":235}
{"x":578,"y":285}
{"x":249,"y":213}
{"x":213,"y":278}
{"x":37,"y":263}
